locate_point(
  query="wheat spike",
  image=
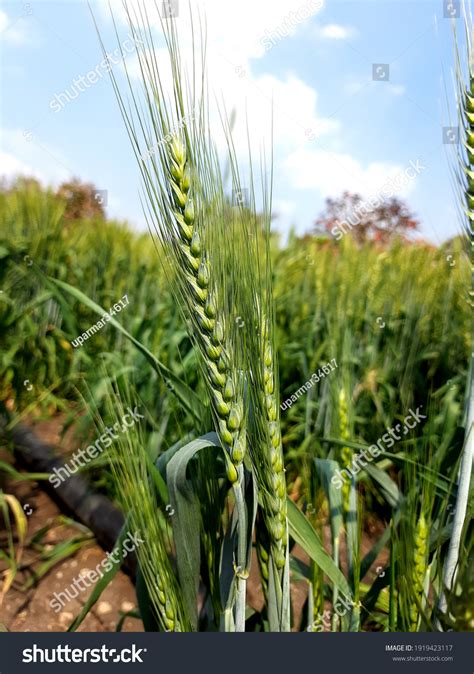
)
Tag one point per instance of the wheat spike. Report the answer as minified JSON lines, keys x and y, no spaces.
{"x":419,"y":569}
{"x":345,"y":452}
{"x":203,"y":303}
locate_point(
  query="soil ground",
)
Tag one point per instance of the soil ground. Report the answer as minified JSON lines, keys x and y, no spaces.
{"x":29,"y":609}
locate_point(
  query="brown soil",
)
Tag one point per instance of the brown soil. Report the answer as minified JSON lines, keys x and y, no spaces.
{"x":29,"y":610}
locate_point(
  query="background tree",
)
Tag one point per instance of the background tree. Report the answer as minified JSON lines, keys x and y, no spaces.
{"x":366,"y":221}
{"x":83,"y":200}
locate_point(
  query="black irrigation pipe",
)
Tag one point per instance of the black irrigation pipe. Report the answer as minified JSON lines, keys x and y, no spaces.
{"x":74,"y":495}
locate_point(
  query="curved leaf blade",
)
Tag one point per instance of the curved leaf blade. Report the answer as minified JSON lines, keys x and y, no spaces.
{"x":188,"y":399}
{"x":304,"y":534}
{"x":186,"y":519}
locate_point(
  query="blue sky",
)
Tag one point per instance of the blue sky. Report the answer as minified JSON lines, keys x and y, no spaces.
{"x":335,"y":128}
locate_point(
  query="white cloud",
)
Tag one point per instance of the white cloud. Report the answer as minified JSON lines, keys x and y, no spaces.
{"x":14,"y":32}
{"x":331,"y":173}
{"x":334,"y":31}
{"x":354,"y":86}
{"x":291,"y":102}
{"x":237,"y":29}
{"x":12,"y":167}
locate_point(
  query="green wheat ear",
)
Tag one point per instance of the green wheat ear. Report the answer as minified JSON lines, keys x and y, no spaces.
{"x":345,"y":452}
{"x":275,"y":492}
{"x":250,"y":241}
{"x":419,"y":570}
{"x":129,"y":466}
{"x":207,"y":319}
{"x":266,"y":451}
